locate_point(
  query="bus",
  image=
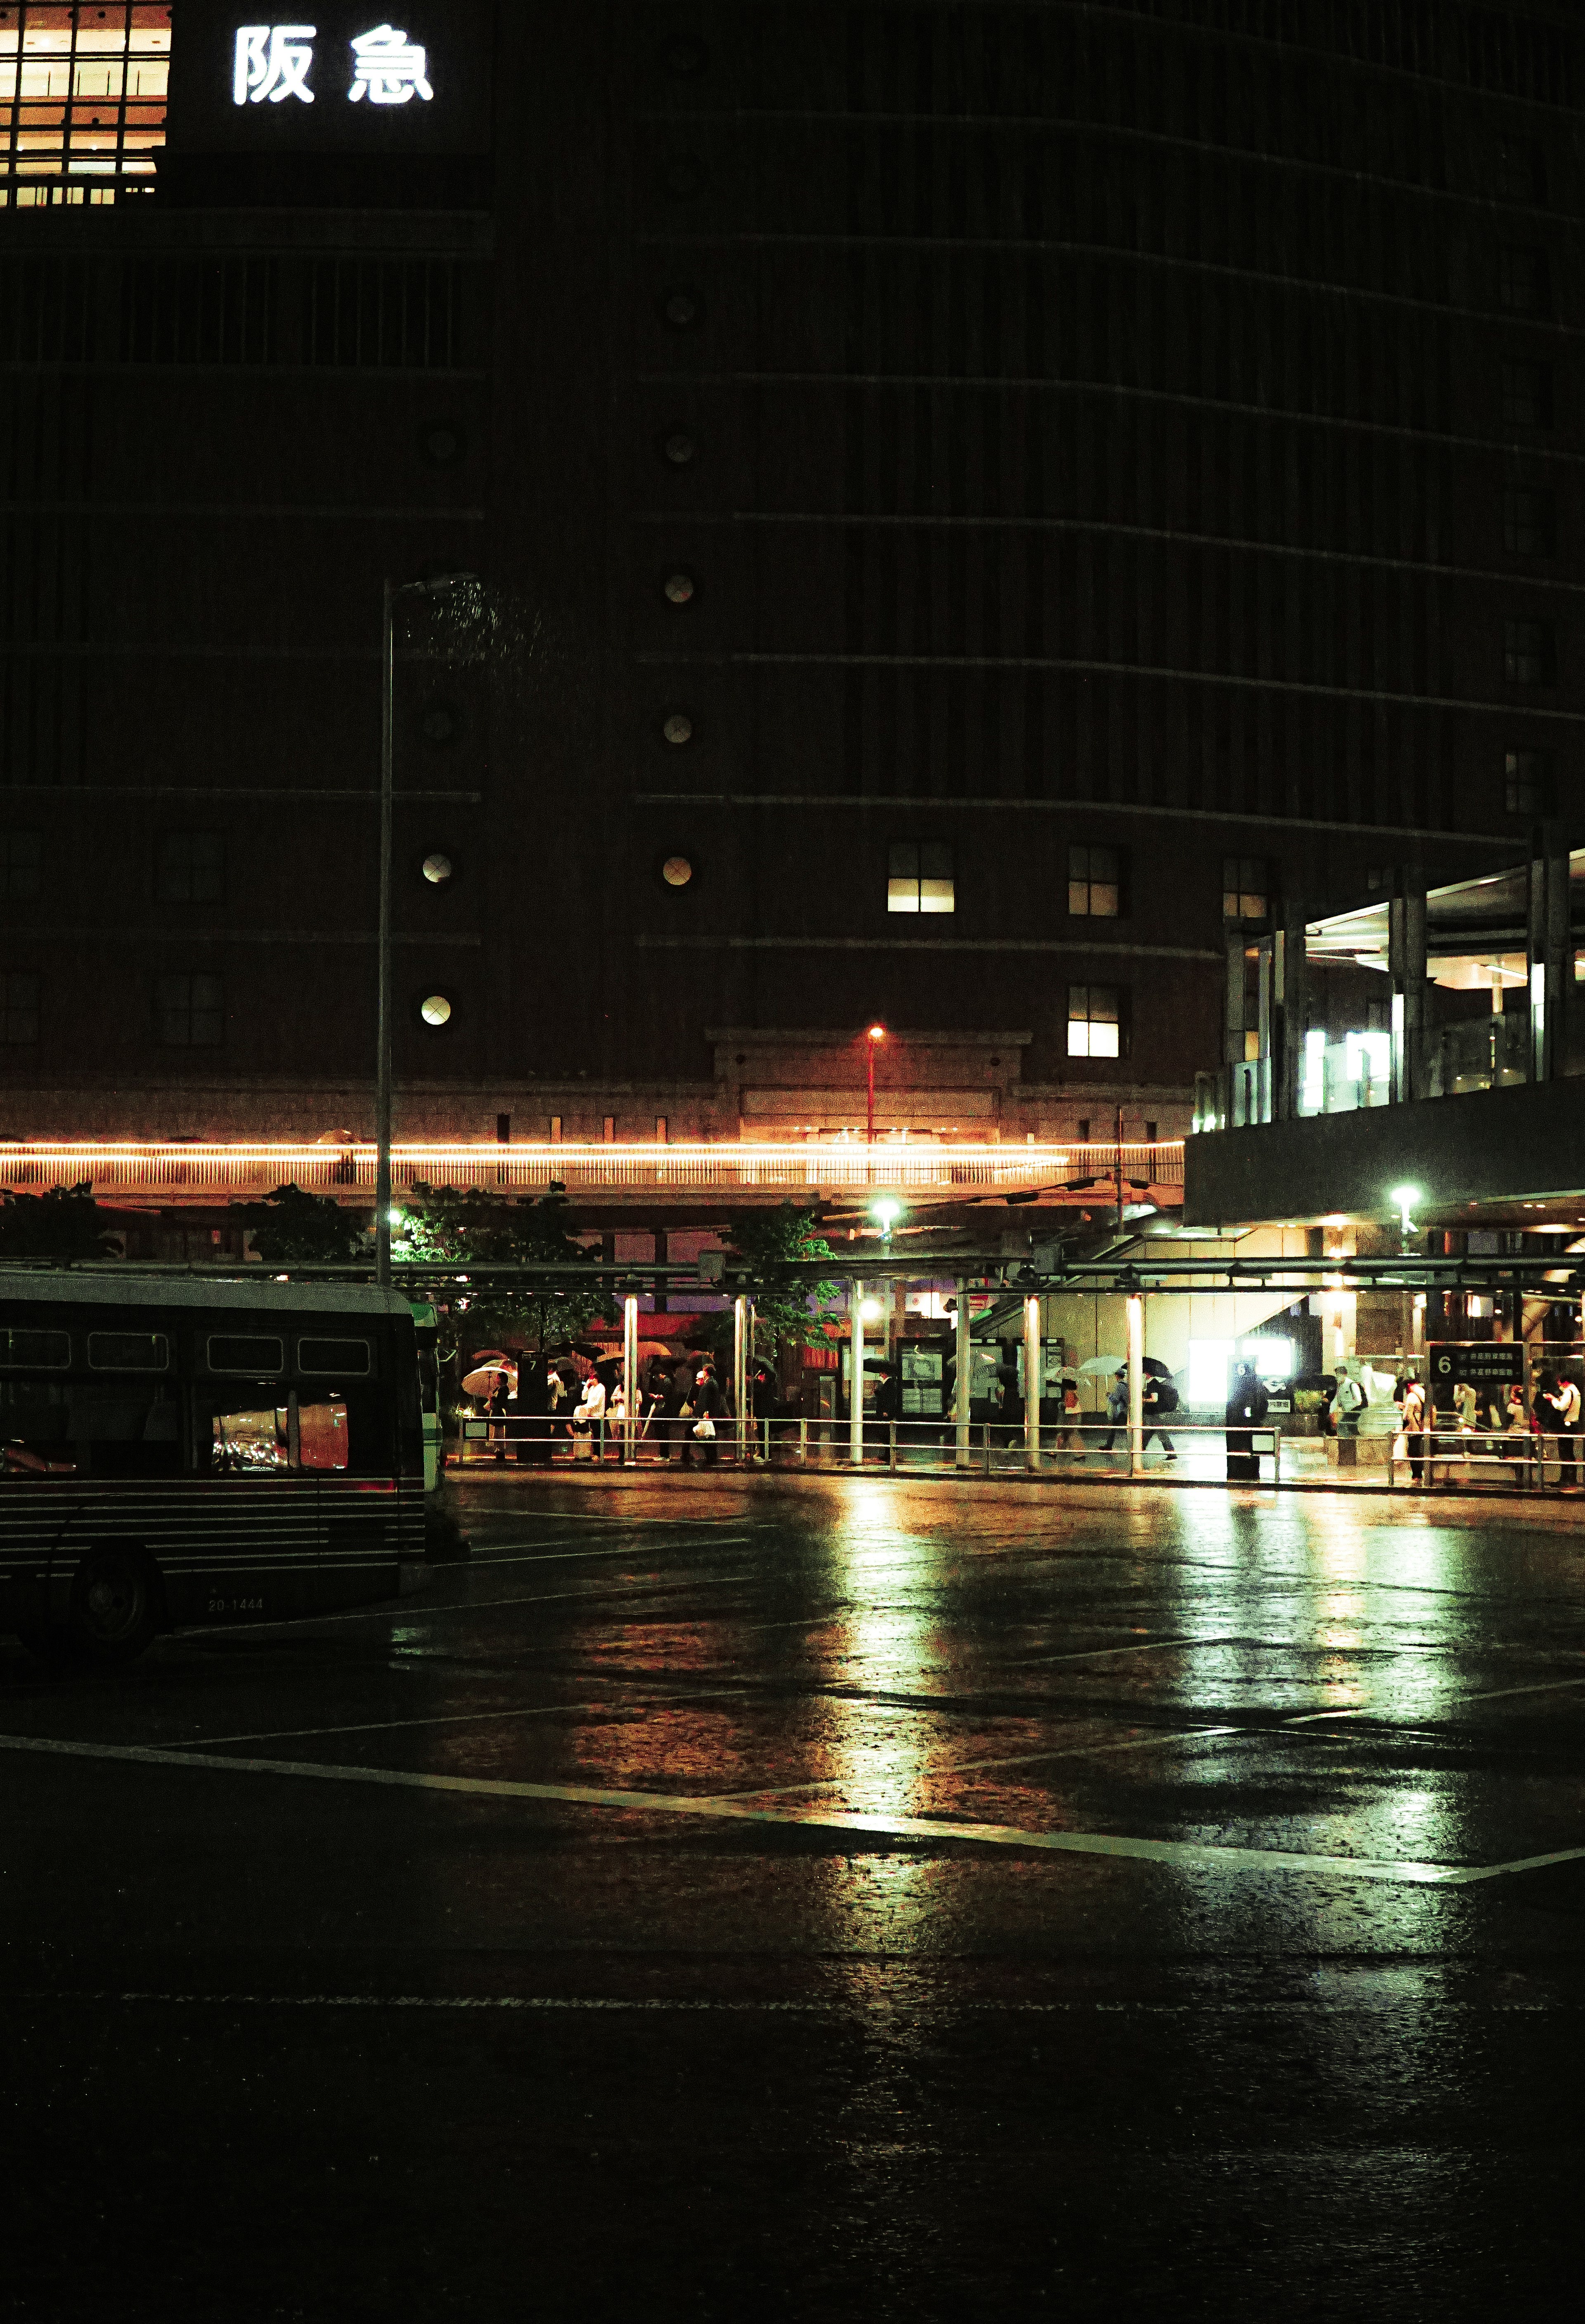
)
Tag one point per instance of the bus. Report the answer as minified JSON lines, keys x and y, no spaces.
{"x":180,"y":1449}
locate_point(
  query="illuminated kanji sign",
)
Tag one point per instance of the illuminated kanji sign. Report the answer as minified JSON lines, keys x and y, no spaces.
{"x":390,"y":69}
{"x":273,"y":61}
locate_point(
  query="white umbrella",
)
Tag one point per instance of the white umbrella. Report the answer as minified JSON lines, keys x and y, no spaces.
{"x":482,"y":1379}
{"x":1102,"y":1364}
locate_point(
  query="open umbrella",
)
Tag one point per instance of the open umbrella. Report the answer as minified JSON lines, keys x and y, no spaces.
{"x":1114,"y":1364}
{"x":483,"y":1379}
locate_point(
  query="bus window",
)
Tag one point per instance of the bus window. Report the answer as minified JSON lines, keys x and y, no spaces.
{"x":350,"y":1357}
{"x":233,"y":1353}
{"x":35,"y":1351}
{"x":247,"y":1438}
{"x":128,"y":1351}
{"x":323,"y":1438}
{"x":123,"y":1428}
{"x":34,"y":1435}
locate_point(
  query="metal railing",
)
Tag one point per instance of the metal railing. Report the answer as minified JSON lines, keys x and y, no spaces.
{"x":194,"y":1172}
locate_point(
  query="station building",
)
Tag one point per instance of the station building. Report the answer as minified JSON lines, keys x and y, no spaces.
{"x":970,"y":504}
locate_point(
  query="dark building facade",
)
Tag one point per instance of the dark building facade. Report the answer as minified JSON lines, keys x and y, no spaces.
{"x":969,"y":502}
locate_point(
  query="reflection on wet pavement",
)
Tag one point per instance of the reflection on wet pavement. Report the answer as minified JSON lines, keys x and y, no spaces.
{"x":1050,"y":1884}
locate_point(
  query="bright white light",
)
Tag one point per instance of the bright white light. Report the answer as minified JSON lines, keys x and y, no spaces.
{"x":886,"y":1211}
{"x":1208,"y":1363}
{"x":272,"y":61}
{"x":1272,"y":1359}
{"x":1404,"y":1197}
{"x":394,"y":1218}
{"x":390,"y":69}
{"x":870,"y":1309}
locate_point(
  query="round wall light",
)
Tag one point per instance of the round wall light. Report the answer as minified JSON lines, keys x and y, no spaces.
{"x":679,"y":587}
{"x":437,"y":869}
{"x":678,"y":727}
{"x":677,"y":870}
{"x":435,"y":1011}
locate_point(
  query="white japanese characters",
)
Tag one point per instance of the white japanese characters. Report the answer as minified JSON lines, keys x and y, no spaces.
{"x":390,"y":69}
{"x":273,"y":61}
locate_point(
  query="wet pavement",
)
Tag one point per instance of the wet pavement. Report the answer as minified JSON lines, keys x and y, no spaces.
{"x":823,"y":1897}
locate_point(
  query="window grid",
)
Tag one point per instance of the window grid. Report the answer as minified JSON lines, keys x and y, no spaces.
{"x":1528,"y":786}
{"x":1526,"y":394}
{"x":1094,"y":883}
{"x":1094,"y":1021}
{"x":1522,"y":281}
{"x":189,"y":1011}
{"x":920,"y":877}
{"x":82,"y":96}
{"x":190,"y":868}
{"x":1529,"y":653}
{"x":1529,"y":523}
{"x":22,"y":855}
{"x":18,"y":1011}
{"x":1246,"y":887}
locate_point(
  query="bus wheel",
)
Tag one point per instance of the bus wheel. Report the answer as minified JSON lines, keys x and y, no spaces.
{"x":115,"y":1605}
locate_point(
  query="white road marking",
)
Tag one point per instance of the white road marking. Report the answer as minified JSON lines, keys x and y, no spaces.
{"x":1089,"y":1654}
{"x":1399,"y":1872}
{"x":964,"y":1766}
{"x":558,"y":1556}
{"x":450,"y":1718}
{"x":408,"y":1610}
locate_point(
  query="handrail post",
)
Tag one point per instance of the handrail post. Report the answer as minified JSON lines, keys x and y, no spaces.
{"x":630,"y":1381}
{"x":964,"y":1375}
{"x":856,"y":1385}
{"x":1136,"y":1383}
{"x":1032,"y":1368}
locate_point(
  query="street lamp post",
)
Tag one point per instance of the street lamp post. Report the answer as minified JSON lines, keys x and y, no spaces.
{"x":876,"y":1034}
{"x":437,"y":587}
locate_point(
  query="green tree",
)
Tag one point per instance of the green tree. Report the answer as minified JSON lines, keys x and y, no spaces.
{"x":291,"y":1224}
{"x":460,"y":1226}
{"x":787,"y":1304}
{"x":66,"y":1224}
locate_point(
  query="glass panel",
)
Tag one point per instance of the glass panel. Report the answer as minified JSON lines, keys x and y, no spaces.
{"x":129,"y":1352}
{"x":323,"y":1438}
{"x":1103,"y":899}
{"x":35,"y":1436}
{"x":48,"y":1350}
{"x":248,"y":1439}
{"x":902,"y":895}
{"x":333,"y":1356}
{"x":1078,"y":898}
{"x":246,"y":1355}
{"x":937,"y":896}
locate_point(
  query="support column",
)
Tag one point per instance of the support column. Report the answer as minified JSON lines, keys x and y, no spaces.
{"x":1032,"y":1371}
{"x":630,"y":1380}
{"x":662,"y":1253}
{"x":856,"y":1385}
{"x":1550,"y":962}
{"x":1405,"y":960}
{"x":740,"y":1373}
{"x":1135,"y":1384}
{"x":965,"y":1374}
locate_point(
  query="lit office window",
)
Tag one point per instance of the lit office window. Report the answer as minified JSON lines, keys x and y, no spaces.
{"x":1529,"y":653}
{"x":1527,"y":781}
{"x":189,"y":1011}
{"x":920,"y":877}
{"x":82,"y":101}
{"x":190,"y":868}
{"x":22,"y":855}
{"x":18,"y":1011}
{"x":1094,"y":1021}
{"x":1095,"y":887}
{"x":1246,"y":887}
{"x":1529,"y":523}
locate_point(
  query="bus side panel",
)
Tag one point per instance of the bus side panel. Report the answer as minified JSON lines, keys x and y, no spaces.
{"x":227,"y":1548}
{"x":373,"y":1532}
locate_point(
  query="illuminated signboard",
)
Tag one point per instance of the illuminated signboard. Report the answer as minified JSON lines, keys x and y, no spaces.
{"x":342,"y":77}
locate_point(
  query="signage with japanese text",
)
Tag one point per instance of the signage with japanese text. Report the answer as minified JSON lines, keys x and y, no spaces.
{"x":344,"y":77}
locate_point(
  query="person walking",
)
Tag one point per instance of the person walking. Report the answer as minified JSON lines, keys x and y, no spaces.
{"x":1245,"y":1410}
{"x":1413,"y":1425}
{"x":1520,"y":1430}
{"x":1560,"y":1399}
{"x":671,"y":1428}
{"x":1117,"y":1407}
{"x":1348,"y":1399}
{"x":1156,"y":1403}
{"x":706,"y":1409}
